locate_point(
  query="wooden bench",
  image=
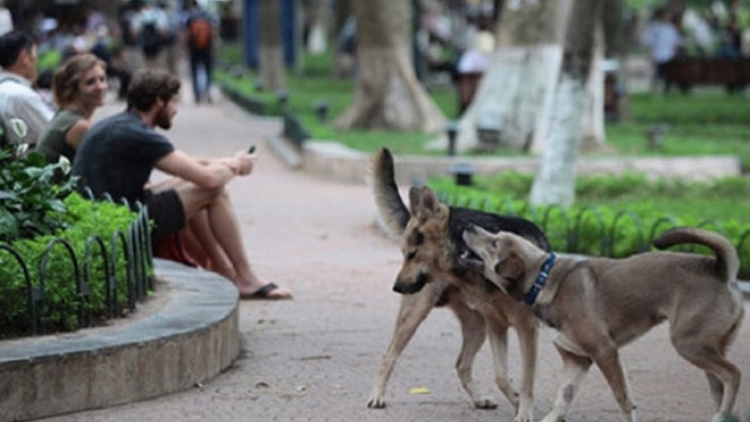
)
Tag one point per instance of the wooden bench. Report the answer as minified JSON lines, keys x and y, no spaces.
{"x":686,"y":72}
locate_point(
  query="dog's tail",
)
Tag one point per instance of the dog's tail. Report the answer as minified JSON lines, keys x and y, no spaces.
{"x":382,"y":180}
{"x":727,"y":262}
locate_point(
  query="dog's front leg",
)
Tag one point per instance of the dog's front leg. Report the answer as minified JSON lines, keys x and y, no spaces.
{"x":574,"y":370}
{"x":608,"y":360}
{"x":474,"y":331}
{"x":527,"y":330}
{"x":412,"y":311}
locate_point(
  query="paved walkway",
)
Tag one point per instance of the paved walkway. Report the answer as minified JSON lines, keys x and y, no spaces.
{"x":314,"y":358}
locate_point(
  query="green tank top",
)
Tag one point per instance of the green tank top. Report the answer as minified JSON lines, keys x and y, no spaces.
{"x":52,"y":141}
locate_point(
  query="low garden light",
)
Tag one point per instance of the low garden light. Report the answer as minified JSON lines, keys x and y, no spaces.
{"x":321,"y":110}
{"x":463,"y":173}
{"x":488,"y":134}
{"x":258,"y":86}
{"x":654,"y":137}
{"x":283,"y":97}
{"x":451,"y":130}
{"x":236,"y":71}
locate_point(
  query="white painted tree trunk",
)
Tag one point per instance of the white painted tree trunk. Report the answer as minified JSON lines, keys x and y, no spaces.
{"x":593,"y":137}
{"x":555,"y":179}
{"x":317,"y":41}
{"x":554,"y":183}
{"x":514,"y":91}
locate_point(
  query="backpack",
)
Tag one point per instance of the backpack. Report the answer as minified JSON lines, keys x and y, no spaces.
{"x":151,"y":40}
{"x":199,"y":33}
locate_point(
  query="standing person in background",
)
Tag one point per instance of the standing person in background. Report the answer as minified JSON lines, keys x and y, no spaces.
{"x":23,"y":112}
{"x":79,"y":86}
{"x":6,"y":20}
{"x":118,"y":154}
{"x":172,"y":47}
{"x":663,"y":40}
{"x":199,"y":40}
{"x":150,"y":26}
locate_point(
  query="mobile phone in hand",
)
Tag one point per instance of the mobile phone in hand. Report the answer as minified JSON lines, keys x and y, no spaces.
{"x":251,"y":149}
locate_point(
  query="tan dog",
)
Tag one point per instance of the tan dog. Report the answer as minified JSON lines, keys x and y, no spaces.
{"x":599,"y":305}
{"x":430,"y":276}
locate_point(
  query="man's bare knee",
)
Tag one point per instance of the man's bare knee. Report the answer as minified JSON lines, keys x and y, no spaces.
{"x":195,"y":198}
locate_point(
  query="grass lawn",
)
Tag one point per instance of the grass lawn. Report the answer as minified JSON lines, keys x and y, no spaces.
{"x":708,"y":121}
{"x":704,"y":122}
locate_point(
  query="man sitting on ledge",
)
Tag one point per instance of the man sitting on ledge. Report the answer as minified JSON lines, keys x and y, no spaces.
{"x":118,"y":154}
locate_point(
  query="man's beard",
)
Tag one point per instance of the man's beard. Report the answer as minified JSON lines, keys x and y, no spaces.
{"x":163,"y":120}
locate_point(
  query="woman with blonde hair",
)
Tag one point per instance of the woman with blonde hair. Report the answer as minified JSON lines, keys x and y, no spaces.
{"x":79,"y":86}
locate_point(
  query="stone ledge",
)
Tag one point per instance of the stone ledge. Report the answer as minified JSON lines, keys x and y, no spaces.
{"x":332,"y":160}
{"x":188,"y":336}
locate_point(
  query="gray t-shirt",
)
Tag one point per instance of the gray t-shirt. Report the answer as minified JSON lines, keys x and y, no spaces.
{"x":117,"y":156}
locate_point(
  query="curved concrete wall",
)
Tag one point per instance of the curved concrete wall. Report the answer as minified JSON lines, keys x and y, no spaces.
{"x":190,"y":335}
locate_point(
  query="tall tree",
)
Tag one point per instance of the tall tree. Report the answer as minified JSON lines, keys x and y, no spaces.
{"x":555,"y":180}
{"x":517,"y":87}
{"x":271,"y":69}
{"x":388,"y":94}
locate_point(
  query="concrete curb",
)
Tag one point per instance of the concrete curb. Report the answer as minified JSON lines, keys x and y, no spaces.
{"x":332,"y":160}
{"x":188,"y":336}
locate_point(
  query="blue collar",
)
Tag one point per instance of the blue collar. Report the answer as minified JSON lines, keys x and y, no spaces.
{"x":541,"y":279}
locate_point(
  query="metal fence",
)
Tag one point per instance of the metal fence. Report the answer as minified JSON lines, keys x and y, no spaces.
{"x":134,"y":244}
{"x":608,"y":231}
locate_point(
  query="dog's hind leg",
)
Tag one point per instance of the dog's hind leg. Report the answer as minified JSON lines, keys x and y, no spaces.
{"x":707,"y":351}
{"x":498,"y":335}
{"x":474,"y":331}
{"x":723,"y":376}
{"x":413,"y":310}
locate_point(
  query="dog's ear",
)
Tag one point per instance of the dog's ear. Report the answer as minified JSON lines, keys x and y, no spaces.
{"x":423,"y":203}
{"x":511,"y":269}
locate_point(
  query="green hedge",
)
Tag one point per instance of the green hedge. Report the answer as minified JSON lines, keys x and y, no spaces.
{"x":40,"y":216}
{"x":61,"y":300}
{"x":608,"y":227}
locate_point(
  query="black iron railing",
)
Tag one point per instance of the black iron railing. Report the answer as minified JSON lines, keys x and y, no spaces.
{"x":134,"y":244}
{"x":585,"y":231}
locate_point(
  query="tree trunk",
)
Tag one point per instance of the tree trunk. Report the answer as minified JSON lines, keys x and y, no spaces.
{"x":341,"y":61}
{"x":523,"y":71}
{"x":555,"y":179}
{"x":271,"y":69}
{"x":388,"y":95}
{"x":592,"y":133}
{"x":317,"y":35}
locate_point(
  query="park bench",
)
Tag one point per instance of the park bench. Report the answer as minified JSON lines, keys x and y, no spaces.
{"x":686,"y":72}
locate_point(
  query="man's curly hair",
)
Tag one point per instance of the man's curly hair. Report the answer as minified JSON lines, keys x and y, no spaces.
{"x":148,"y":85}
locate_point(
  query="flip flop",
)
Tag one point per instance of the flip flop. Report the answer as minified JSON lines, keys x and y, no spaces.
{"x":264,"y":293}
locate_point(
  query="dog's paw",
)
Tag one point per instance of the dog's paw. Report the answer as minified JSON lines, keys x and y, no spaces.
{"x":485,"y":403}
{"x":376,"y":402}
{"x":521,"y":417}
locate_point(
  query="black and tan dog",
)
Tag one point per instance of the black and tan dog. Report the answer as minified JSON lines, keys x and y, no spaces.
{"x":430,"y":276}
{"x":600,"y":304}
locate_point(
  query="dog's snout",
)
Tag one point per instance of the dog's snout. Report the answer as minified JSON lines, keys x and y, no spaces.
{"x":405,"y":287}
